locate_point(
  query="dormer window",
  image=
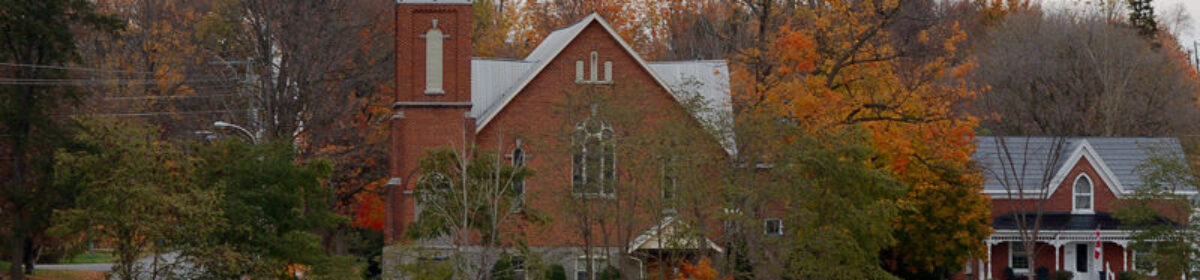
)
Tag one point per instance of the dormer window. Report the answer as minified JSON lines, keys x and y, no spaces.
{"x":1083,"y":194}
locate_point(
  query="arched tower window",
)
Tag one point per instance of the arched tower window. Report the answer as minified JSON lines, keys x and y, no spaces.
{"x":593,"y":157}
{"x":1083,"y":194}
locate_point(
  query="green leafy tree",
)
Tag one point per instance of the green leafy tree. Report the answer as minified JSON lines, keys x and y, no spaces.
{"x":468,"y":196}
{"x":1162,"y":220}
{"x":39,"y":38}
{"x":273,"y":205}
{"x":133,"y":190}
{"x":844,"y":205}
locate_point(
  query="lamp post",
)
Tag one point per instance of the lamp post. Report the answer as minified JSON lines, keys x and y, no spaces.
{"x":253,"y":139}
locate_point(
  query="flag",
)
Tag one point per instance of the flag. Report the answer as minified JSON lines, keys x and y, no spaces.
{"x":1097,"y":251}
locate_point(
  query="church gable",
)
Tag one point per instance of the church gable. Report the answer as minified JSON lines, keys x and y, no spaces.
{"x":590,"y":53}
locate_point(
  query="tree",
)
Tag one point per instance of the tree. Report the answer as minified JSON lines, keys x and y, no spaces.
{"x":39,"y":41}
{"x":1024,"y":168}
{"x":468,"y":196}
{"x":133,"y":190}
{"x":1165,"y":232}
{"x":1141,"y":16}
{"x":273,"y":206}
{"x":864,"y":64}
{"x":1091,"y":75}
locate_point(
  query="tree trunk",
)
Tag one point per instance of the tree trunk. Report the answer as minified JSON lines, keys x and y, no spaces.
{"x":16,"y":247}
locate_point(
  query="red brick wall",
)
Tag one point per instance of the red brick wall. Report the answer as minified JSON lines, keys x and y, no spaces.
{"x":1060,"y":200}
{"x":537,"y":115}
{"x":425,"y":127}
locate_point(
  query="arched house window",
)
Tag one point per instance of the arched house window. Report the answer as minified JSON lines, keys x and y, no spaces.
{"x":593,"y":158}
{"x":1083,"y":195}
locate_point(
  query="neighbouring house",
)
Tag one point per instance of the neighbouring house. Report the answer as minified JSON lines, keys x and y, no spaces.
{"x":519,"y":109}
{"x":1074,"y":184}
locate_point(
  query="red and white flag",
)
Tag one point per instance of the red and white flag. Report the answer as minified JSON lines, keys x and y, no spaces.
{"x":1097,"y":251}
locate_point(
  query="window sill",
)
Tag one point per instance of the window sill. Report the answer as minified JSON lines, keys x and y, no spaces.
{"x":1083,"y":212}
{"x":435,"y":91}
{"x":594,"y":82}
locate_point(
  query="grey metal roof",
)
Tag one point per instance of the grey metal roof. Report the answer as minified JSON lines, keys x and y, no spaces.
{"x":491,"y":79}
{"x":1036,"y":160}
{"x":556,"y":41}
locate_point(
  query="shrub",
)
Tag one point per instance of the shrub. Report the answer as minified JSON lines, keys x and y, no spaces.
{"x":556,"y":272}
{"x":1063,"y":275}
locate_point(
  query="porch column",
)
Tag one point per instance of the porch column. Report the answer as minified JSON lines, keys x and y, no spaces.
{"x":1057,"y":248}
{"x":988,"y":267}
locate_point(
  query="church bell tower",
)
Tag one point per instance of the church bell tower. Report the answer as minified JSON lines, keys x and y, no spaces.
{"x":433,"y":96}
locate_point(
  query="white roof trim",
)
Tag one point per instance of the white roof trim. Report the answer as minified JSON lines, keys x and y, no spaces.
{"x":490,"y":114}
{"x":647,"y":236}
{"x":1085,"y":150}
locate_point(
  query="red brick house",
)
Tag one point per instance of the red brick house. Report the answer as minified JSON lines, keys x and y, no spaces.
{"x":446,"y":97}
{"x":1078,"y":181}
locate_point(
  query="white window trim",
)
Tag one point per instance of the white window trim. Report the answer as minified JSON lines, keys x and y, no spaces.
{"x":1133,"y":264}
{"x":767,"y":227}
{"x":1013,"y":256}
{"x":598,"y":263}
{"x":1091,"y":195}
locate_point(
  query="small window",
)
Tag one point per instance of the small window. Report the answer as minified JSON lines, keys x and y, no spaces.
{"x":608,"y":71}
{"x":774,"y":226}
{"x":1143,"y":262}
{"x":670,"y":180}
{"x":1019,"y":259}
{"x":578,"y":71}
{"x":518,"y":186}
{"x":518,"y":267}
{"x":581,"y":273}
{"x":595,"y":67}
{"x":1083,"y":194}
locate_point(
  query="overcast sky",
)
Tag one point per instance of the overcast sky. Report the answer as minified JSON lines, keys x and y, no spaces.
{"x":1166,"y":11}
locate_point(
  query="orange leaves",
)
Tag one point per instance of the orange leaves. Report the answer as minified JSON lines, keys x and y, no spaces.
{"x":702,"y":270}
{"x":369,"y":208}
{"x":838,"y":67}
{"x":797,"y":52}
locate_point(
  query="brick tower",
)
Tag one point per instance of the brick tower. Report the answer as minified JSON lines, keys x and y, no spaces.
{"x":433,"y":96}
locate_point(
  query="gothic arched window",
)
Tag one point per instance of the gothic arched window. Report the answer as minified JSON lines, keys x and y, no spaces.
{"x":1083,"y":193}
{"x":593,"y":158}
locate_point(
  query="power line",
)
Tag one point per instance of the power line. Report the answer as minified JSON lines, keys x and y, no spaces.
{"x":166,"y":97}
{"x":151,"y":114}
{"x":76,"y":68}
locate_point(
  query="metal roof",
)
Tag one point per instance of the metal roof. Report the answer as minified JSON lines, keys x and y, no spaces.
{"x":1037,"y":161}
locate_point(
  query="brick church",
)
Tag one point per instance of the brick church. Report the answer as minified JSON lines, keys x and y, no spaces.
{"x":445,"y":97}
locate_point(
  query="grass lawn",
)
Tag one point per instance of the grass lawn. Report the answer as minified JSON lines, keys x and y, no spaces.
{"x":55,"y":274}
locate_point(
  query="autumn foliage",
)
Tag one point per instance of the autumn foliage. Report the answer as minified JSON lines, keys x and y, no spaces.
{"x":702,"y":270}
{"x":841,"y":66}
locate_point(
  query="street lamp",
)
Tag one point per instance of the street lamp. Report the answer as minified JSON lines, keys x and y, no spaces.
{"x":253,"y":139}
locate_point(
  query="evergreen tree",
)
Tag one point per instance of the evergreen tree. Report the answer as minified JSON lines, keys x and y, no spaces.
{"x":1141,"y":16}
{"x":39,"y":40}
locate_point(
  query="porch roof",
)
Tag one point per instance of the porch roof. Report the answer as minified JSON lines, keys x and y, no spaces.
{"x":1060,"y":221}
